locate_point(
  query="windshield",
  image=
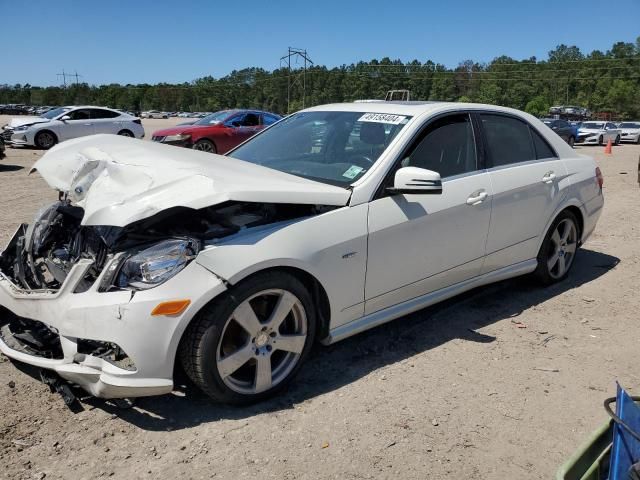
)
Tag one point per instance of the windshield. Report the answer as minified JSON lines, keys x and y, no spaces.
{"x":55,"y":112}
{"x":593,"y":125}
{"x":630,"y":125}
{"x":329,"y":147}
{"x":213,"y":118}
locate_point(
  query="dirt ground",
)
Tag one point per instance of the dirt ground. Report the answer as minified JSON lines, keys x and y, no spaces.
{"x":502,"y":383}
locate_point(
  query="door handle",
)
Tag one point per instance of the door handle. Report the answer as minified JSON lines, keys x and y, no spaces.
{"x":549,"y":177}
{"x":476,"y":198}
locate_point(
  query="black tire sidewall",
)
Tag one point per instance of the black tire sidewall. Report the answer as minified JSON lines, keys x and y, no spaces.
{"x":126,"y":133}
{"x":204,"y":140}
{"x":212,"y":319}
{"x":39,"y":134}
{"x":542,"y":270}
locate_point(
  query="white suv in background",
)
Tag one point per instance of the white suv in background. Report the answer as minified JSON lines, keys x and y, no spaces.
{"x":64,"y":123}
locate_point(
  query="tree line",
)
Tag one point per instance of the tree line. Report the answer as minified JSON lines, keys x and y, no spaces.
{"x":601,"y":81}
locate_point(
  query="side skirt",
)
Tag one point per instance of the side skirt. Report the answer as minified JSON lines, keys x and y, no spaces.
{"x":418,"y":303}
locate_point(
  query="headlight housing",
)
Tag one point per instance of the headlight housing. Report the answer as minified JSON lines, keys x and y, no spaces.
{"x":155,"y":265}
{"x":177,"y":138}
{"x":21,"y":128}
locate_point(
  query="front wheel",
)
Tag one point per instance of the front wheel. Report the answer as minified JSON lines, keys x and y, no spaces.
{"x":571,"y":142}
{"x":558,"y":249}
{"x":249,"y":344}
{"x":45,"y":140}
{"x":205,"y":146}
{"x":617,"y":142}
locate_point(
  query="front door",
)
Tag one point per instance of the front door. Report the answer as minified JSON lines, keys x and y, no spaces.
{"x":422,"y":243}
{"x":79,"y":124}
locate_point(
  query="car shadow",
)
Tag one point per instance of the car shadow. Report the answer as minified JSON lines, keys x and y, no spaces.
{"x":333,"y":367}
{"x":9,"y":168}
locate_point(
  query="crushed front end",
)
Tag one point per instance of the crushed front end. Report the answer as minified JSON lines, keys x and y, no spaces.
{"x":72,"y":302}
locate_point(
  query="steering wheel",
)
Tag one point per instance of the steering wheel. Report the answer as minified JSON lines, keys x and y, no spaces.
{"x":361,"y":161}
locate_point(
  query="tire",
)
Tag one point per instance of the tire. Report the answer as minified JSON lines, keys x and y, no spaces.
{"x":45,"y":139}
{"x":234,"y":378}
{"x":600,"y":140}
{"x":205,"y":145}
{"x":638,"y":140}
{"x":558,"y":250}
{"x":126,"y":133}
{"x":571,"y":141}
{"x":617,"y":142}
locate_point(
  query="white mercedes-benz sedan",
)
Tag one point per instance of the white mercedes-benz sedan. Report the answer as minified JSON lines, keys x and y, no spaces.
{"x":64,"y":123}
{"x":332,"y":221}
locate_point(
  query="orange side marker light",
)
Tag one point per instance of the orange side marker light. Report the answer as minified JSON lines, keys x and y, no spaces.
{"x":172,"y":307}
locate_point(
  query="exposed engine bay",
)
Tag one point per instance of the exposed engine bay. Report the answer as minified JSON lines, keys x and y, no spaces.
{"x":43,"y":253}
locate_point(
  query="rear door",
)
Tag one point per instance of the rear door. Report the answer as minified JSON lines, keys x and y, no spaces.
{"x":525,"y":174}
{"x":104,"y":121}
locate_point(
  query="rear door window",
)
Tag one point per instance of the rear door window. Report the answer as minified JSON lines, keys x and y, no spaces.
{"x":543,"y":150}
{"x":508,"y":140}
{"x":98,"y":113}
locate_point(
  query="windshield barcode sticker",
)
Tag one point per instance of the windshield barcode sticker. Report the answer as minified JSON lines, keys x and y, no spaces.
{"x":382,"y":118}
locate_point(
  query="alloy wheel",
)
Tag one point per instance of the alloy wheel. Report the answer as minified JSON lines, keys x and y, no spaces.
{"x":262,"y":341}
{"x":46,"y":140}
{"x":204,"y":147}
{"x":562,"y":248}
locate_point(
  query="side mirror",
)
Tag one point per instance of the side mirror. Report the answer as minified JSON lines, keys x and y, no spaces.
{"x":417,"y":181}
{"x":65,"y":118}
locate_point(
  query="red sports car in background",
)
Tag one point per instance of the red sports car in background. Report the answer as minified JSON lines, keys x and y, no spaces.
{"x":218,"y":132}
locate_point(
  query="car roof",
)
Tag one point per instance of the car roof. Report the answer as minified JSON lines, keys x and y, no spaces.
{"x":412,"y":108}
{"x":88,"y":106}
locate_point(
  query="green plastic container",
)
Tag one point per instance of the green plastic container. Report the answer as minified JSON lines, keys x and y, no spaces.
{"x":591,"y":460}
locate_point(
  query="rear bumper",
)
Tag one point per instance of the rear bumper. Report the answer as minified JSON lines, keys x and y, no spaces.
{"x":122,"y":318}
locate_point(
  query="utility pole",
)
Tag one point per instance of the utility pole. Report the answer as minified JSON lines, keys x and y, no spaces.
{"x":64,"y":77}
{"x":76,"y":75}
{"x":297,"y":54}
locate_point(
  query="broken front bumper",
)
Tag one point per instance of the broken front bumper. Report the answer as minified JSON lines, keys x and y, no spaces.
{"x":122,"y":318}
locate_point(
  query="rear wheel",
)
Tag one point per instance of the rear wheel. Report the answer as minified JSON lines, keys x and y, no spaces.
{"x":125,"y":133}
{"x":205,"y":145}
{"x":249,"y":344}
{"x":558,"y":249}
{"x":45,"y":139}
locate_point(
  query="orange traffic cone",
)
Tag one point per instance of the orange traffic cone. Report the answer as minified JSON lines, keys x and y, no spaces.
{"x":607,"y":149}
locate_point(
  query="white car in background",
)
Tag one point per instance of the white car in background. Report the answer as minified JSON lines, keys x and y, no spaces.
{"x":154,"y":114}
{"x":598,"y":133}
{"x":64,"y":123}
{"x":332,"y":221}
{"x":630,"y":132}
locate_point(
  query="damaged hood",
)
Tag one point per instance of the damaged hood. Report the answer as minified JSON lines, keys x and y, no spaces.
{"x":18,"y":122}
{"x":119,"y":180}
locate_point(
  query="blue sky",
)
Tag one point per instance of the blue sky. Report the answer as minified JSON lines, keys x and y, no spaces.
{"x":135,"y":41}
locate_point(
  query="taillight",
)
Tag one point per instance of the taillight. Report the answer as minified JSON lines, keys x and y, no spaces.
{"x":138,"y":121}
{"x":599,"y":177}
